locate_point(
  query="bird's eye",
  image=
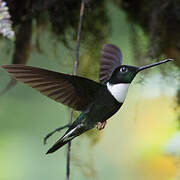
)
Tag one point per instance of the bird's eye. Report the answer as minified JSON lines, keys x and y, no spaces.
{"x":124,"y":69}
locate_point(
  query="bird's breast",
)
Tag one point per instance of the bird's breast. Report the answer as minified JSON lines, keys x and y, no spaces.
{"x":118,"y":91}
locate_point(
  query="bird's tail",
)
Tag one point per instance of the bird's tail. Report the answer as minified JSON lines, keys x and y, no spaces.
{"x":57,"y":145}
{"x":68,"y":136}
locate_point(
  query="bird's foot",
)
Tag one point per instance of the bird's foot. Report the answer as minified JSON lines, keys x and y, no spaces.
{"x":101,"y":125}
{"x":56,"y":130}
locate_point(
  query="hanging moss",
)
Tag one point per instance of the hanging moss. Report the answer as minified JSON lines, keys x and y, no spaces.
{"x":62,"y":15}
{"x":160,"y":20}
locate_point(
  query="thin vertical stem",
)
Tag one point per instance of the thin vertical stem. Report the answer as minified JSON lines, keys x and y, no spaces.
{"x":78,"y":37}
{"x":74,"y":73}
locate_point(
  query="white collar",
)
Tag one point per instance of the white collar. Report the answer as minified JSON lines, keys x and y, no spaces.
{"x":118,"y":91}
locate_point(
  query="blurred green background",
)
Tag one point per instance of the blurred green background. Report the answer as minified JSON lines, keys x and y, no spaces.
{"x":136,"y":143}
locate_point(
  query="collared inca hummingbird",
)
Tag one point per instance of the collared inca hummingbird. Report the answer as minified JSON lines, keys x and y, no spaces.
{"x":97,"y":101}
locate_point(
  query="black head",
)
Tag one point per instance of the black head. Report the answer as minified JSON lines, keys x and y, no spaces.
{"x":125,"y":73}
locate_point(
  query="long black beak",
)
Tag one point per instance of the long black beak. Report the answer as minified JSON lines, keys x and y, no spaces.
{"x":154,"y":64}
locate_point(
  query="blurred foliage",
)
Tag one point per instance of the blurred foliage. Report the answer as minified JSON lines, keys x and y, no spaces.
{"x":178,"y":104}
{"x":160,"y":20}
{"x":62,"y":16}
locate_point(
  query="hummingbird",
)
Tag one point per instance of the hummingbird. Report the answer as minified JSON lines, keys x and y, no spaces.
{"x":97,"y":101}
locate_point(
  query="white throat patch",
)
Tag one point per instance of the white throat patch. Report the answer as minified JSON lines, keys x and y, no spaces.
{"x":118,"y":91}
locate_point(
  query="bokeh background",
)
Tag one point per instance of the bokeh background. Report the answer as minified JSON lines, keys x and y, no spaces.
{"x":142,"y":140}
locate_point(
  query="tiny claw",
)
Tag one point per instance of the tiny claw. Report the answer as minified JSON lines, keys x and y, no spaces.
{"x":101,"y":125}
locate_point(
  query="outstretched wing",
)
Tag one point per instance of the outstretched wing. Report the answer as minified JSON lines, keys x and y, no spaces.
{"x":111,"y":58}
{"x":73,"y":91}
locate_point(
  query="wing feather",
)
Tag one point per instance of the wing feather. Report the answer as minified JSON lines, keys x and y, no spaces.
{"x":110,"y":59}
{"x":73,"y":91}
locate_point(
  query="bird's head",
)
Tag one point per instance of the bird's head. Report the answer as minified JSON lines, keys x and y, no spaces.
{"x":126,"y":73}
